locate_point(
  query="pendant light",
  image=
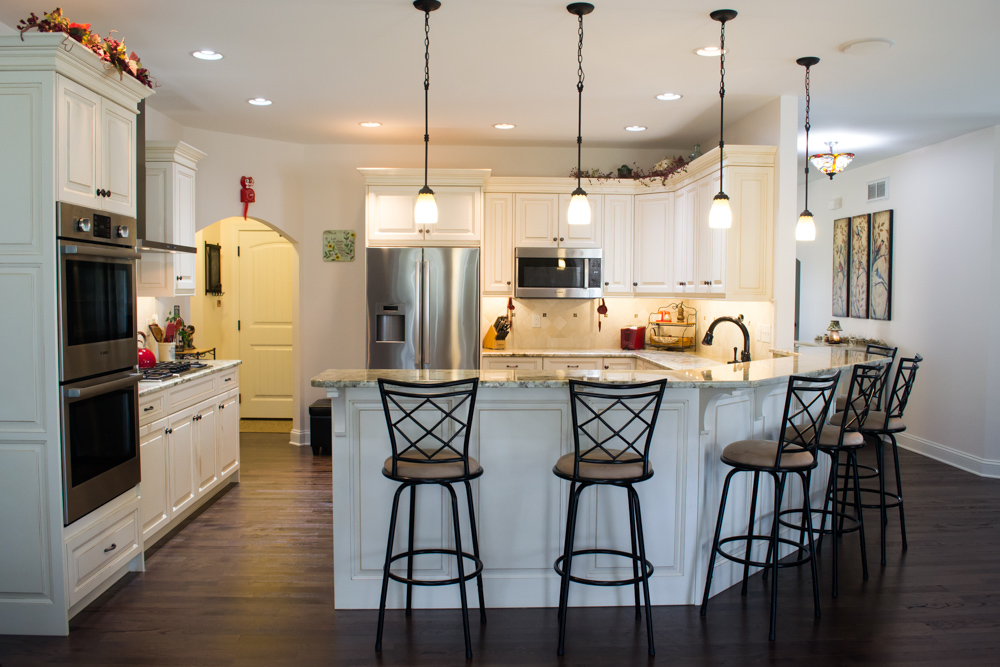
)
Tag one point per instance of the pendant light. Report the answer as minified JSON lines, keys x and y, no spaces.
{"x":831,"y":163}
{"x":805,"y":229}
{"x":579,"y":206}
{"x":721,"y":215}
{"x":426,"y":210}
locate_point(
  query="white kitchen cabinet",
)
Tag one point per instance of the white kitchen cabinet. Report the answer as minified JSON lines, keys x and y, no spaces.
{"x":106,"y":544}
{"x":512,"y":363}
{"x":206,"y":440}
{"x":498,"y":245}
{"x":229,"y":432}
{"x":390,"y":221}
{"x":712,"y":243}
{"x":652,"y":268}
{"x":751,"y":253}
{"x":685,"y":239}
{"x":541,"y":221}
{"x":617,"y":260}
{"x":95,"y":153}
{"x":182,"y":486}
{"x":154,"y":510}
{"x":572,"y":363}
{"x":619,"y":364}
{"x":170,"y":218}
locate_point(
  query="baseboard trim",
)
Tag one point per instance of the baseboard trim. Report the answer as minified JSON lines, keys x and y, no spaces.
{"x":953,"y":457}
{"x":299,"y":438}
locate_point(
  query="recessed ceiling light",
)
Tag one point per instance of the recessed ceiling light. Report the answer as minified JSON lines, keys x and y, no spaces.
{"x":206,"y":54}
{"x":867,"y":47}
{"x":636,"y":128}
{"x":260,"y":102}
{"x":504,"y":126}
{"x":370,"y":123}
{"x":669,"y":97}
{"x":711,"y":51}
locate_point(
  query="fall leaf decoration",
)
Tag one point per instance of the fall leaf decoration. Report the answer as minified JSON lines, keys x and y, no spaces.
{"x":662,"y":171}
{"x":110,"y":50}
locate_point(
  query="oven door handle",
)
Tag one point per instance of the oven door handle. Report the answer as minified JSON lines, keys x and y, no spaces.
{"x":98,"y":389}
{"x":99,"y":251}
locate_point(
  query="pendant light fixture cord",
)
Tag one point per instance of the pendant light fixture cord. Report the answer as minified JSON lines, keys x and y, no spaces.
{"x":579,"y":90}
{"x":722,"y":99}
{"x":807,"y":136}
{"x":427,"y":85}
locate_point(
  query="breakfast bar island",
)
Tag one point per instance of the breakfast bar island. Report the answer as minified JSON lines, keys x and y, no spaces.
{"x":522,"y":424}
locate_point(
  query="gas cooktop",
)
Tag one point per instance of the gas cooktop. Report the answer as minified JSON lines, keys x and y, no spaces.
{"x":165,"y":370}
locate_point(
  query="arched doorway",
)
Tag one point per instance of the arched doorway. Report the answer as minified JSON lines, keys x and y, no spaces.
{"x":254,"y":318}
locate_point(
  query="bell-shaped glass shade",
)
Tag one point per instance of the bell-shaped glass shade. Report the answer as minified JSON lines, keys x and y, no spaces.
{"x":805,"y":229}
{"x":831,"y":163}
{"x":720,"y":216}
{"x":426,"y":210}
{"x":579,"y":208}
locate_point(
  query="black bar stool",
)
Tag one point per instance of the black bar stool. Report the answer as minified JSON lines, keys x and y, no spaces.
{"x":842,"y":435}
{"x":807,"y":402}
{"x":429,"y":428}
{"x":612,"y":430}
{"x":883,"y":425}
{"x":881,"y":351}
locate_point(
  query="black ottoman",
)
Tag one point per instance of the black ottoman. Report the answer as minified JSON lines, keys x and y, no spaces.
{"x":320,"y":429}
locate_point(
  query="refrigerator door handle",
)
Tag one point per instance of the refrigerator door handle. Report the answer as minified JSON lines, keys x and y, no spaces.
{"x":418,"y":311}
{"x":425,"y":339}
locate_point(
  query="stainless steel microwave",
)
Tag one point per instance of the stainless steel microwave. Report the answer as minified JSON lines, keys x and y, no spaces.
{"x":558,"y":273}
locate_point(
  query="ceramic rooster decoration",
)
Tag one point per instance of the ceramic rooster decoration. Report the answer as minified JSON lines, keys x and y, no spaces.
{"x":246,"y":193}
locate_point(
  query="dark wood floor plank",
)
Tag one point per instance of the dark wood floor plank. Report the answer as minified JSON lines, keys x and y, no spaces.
{"x":249,"y":581}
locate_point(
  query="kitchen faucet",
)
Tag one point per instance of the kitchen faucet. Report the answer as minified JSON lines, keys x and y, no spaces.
{"x":738,"y":321}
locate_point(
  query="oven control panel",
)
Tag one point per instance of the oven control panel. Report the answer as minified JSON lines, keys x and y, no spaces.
{"x":79,"y":223}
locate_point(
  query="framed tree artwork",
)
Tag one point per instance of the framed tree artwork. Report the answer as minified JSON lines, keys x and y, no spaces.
{"x":841,"y":265}
{"x":880,"y":267}
{"x":858,"y":278}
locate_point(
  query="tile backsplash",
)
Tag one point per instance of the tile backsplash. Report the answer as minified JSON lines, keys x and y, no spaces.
{"x":572,"y":323}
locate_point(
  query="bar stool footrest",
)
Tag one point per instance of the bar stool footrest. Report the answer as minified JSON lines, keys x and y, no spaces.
{"x":647,"y":566}
{"x":823,"y":512}
{"x":895,"y":502}
{"x":765,"y":538}
{"x":436,"y":582}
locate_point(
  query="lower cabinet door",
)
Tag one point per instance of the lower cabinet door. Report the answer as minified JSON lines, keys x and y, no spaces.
{"x":206,"y":434}
{"x":229,"y":432}
{"x":154,"y":509}
{"x":181,"y":460}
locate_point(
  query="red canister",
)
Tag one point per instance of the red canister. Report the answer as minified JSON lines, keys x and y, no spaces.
{"x":633,"y":338}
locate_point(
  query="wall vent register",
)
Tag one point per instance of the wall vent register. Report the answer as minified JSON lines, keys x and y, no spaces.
{"x":878,"y":190}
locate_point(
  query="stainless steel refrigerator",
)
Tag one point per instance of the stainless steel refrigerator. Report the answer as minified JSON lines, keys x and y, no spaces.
{"x":423,"y":308}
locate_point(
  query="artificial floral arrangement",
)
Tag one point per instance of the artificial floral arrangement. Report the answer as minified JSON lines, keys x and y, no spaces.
{"x":663,"y":170}
{"x":108,"y":49}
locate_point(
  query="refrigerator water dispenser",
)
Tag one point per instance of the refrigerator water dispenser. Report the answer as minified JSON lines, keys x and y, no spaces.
{"x":390,"y":324}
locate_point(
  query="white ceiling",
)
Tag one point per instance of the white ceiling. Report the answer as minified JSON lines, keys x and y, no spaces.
{"x":330,"y":64}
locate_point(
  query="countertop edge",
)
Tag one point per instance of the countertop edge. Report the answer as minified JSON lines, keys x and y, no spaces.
{"x":214,"y":366}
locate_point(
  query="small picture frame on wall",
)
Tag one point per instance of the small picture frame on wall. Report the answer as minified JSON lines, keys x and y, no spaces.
{"x":338,"y":245}
{"x":858,"y":278}
{"x":841,"y":265}
{"x":880,"y":267}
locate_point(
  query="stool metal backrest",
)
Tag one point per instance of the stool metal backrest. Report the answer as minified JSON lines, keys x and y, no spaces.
{"x":860,"y":396}
{"x":807,"y":403}
{"x":882,"y":351}
{"x":902,"y":385}
{"x":613,"y":423}
{"x":429,"y":423}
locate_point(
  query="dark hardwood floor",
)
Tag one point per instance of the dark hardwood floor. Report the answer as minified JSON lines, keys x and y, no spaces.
{"x":249,"y":582}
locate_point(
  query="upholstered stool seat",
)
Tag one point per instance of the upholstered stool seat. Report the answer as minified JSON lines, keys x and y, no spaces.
{"x":414,"y":469}
{"x":627,"y":468}
{"x":830,"y":436}
{"x":808,"y":400}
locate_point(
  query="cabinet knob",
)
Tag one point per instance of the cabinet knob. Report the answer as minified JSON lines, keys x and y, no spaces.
{"x":635,"y":284}
{"x":682,"y":283}
{"x":554,"y":238}
{"x":606,"y":284}
{"x":222,"y":406}
{"x":561,"y":238}
{"x":508,"y":282}
{"x":168,"y":431}
{"x":606,"y":367}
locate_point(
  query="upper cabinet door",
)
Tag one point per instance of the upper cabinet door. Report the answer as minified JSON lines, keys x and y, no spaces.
{"x":78,"y":137}
{"x":536,"y":220}
{"x":581,"y":236}
{"x":498,"y":245}
{"x":390,"y":215}
{"x":184,"y":229}
{"x":617,"y":245}
{"x":118,"y":159}
{"x":653,"y":249}
{"x":711,"y":268}
{"x":459,"y":217}
{"x":685,"y":238}
{"x":155,"y":271}
{"x":750,"y":261}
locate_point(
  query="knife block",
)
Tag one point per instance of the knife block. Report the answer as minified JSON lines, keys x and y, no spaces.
{"x":490,"y":341}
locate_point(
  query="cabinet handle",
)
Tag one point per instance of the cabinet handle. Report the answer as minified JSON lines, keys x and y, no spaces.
{"x":111,"y":548}
{"x":512,"y":366}
{"x":231,"y":379}
{"x":706,"y":282}
{"x":572,"y":365}
{"x":682,"y":284}
{"x":149,"y":408}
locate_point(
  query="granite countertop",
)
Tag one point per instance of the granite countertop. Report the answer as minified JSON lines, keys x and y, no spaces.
{"x":667,"y":360}
{"x":808,"y":361}
{"x":214,"y":366}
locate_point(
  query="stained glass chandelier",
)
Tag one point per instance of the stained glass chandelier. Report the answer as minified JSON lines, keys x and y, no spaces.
{"x":831,"y":163}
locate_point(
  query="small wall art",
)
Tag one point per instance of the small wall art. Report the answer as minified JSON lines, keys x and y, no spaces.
{"x":338,"y":245}
{"x":858,"y":277}
{"x":841,"y":265}
{"x":880,"y":271}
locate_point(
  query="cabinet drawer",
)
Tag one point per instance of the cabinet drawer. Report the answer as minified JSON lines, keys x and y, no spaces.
{"x":190,"y":393}
{"x":512,"y":363}
{"x":619,"y":364}
{"x":572,"y":364}
{"x":91,"y":561}
{"x":151,"y":408}
{"x":226,"y":381}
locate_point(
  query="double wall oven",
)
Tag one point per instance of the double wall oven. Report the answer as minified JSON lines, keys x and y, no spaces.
{"x":98,"y":380}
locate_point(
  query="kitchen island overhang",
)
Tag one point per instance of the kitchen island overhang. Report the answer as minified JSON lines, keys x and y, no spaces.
{"x":521,"y":426}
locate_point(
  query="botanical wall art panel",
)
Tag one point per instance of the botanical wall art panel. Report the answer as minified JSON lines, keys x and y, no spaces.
{"x":860,"y":230}
{"x":338,"y":245}
{"x":841,"y":265}
{"x":880,"y":273}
